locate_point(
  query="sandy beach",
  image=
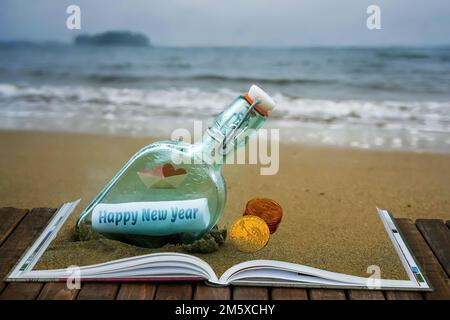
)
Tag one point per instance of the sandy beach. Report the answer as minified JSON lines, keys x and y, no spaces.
{"x":40,"y":169}
{"x":328,"y":194}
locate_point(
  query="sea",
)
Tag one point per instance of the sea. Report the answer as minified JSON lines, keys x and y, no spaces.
{"x":389,"y":98}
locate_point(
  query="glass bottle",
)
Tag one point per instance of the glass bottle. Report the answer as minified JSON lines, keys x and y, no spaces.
{"x":173,"y":191}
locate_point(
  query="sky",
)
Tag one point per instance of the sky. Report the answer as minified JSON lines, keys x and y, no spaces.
{"x":235,"y":22}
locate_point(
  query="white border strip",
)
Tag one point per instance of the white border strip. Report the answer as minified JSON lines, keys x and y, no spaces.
{"x":33,"y":254}
{"x":412,"y":269}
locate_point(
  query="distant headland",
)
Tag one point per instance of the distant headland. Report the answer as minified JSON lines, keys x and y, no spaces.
{"x":114,"y":38}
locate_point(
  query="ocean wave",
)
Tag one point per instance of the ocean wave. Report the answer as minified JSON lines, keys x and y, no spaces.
{"x":122,"y":73}
{"x":417,"y":125}
{"x":129,"y":78}
{"x":194,"y":102}
{"x":221,"y":78}
{"x":407,"y":55}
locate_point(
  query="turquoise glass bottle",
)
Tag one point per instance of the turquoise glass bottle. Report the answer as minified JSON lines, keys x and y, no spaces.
{"x":173,"y":191}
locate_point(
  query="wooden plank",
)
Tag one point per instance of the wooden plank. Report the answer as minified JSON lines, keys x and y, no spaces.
{"x":57,"y":291}
{"x":327,"y":294}
{"x":437,"y":236}
{"x":250,"y":293}
{"x":174,"y":292}
{"x":27,"y":230}
{"x":21,"y":291}
{"x":204,"y":292}
{"x":403,"y":295}
{"x":98,"y":291}
{"x":137,"y":291}
{"x":365,"y":295}
{"x":426,"y":259}
{"x":9,"y":219}
{"x":289,"y":294}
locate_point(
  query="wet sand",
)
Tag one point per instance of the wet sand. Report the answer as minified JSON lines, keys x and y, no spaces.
{"x":328,"y":195}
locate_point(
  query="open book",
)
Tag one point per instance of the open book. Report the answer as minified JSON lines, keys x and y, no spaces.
{"x":172,"y":266}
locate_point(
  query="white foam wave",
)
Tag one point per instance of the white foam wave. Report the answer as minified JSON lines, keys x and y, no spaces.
{"x":131,"y":110}
{"x":192,"y":101}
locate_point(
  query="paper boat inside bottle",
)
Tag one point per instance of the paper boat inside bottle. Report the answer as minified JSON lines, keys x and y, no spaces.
{"x":165,"y":176}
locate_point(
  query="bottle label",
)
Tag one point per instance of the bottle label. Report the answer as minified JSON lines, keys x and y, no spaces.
{"x":155,"y":218}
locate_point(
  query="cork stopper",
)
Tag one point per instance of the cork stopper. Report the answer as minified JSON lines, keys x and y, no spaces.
{"x":265,"y":101}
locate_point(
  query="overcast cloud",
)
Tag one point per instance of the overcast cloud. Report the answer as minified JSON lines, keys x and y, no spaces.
{"x":233,"y":22}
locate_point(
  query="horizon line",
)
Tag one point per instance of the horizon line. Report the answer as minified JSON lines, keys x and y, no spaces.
{"x":256,"y":46}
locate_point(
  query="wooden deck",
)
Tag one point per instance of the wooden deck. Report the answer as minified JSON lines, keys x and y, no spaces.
{"x":428,"y":238}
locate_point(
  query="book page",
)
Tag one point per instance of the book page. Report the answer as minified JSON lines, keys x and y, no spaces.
{"x":329,"y":220}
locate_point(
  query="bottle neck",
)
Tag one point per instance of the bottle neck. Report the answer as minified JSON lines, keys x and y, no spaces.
{"x":230,"y":130}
